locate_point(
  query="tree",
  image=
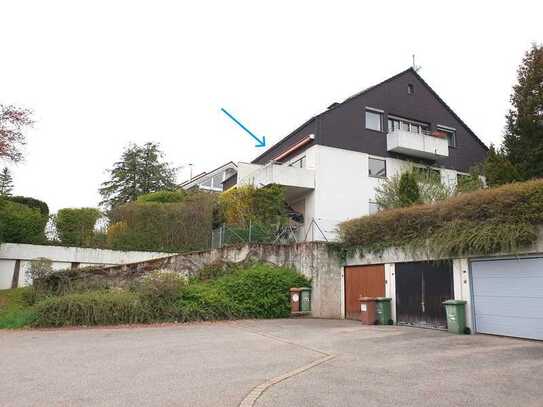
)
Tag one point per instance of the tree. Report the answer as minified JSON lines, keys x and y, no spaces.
{"x":75,"y":226}
{"x":12,"y":122}
{"x":522,"y":151}
{"x":6,"y":183}
{"x":499,"y":169}
{"x":408,"y":190}
{"x":139,"y":171}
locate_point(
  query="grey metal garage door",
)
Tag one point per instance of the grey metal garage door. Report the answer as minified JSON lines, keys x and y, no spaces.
{"x":508,"y":296}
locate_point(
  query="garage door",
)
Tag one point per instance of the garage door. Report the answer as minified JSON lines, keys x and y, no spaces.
{"x":366,"y":281}
{"x":508,"y":297}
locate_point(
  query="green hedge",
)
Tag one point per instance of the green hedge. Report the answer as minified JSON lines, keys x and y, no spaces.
{"x":163,"y":197}
{"x":20,"y":223}
{"x":75,"y":226}
{"x":482,"y":222}
{"x":92,"y":308}
{"x":256,"y":291}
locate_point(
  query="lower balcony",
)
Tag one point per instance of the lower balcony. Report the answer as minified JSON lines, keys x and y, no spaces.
{"x":297,"y":181}
{"x":422,"y":145}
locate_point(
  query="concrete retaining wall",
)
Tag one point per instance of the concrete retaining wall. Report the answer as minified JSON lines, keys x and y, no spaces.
{"x":12,"y":254}
{"x":311,"y":259}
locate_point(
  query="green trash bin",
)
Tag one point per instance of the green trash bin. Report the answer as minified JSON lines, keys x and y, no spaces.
{"x":305,"y":299}
{"x":382,"y":309}
{"x":456,"y":316}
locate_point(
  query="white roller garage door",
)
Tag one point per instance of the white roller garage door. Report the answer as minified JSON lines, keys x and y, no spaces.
{"x":508,"y":296}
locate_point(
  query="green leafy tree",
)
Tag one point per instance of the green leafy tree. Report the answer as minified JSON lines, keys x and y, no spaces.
{"x":32,"y":203}
{"x":75,"y":226}
{"x":408,"y":190}
{"x":20,"y":223}
{"x":499,"y":169}
{"x":6,"y":182}
{"x":521,"y":156}
{"x":140,"y":170}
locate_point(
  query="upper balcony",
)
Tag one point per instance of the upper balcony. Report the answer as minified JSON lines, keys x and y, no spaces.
{"x":296,"y":181}
{"x":423,"y":144}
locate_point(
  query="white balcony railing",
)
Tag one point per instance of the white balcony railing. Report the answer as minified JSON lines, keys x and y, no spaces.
{"x":294,"y":178}
{"x":417,"y":144}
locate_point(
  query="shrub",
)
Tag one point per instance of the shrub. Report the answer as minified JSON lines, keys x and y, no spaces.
{"x":160,"y":290}
{"x":92,"y":308}
{"x":31,"y":203}
{"x":408,"y":190}
{"x":75,"y":226}
{"x":20,"y":223}
{"x":39,"y":269}
{"x":254,"y":291}
{"x":481,"y":222}
{"x":163,"y":196}
{"x":246,"y":204}
{"x":167,"y":227}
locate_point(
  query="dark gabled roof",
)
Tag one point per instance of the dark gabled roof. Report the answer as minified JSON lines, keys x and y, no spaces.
{"x":336,"y":105}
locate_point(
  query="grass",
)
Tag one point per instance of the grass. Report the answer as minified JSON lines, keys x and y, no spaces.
{"x":15,"y":311}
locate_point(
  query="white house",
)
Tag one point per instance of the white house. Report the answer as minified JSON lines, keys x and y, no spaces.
{"x":331,"y":165}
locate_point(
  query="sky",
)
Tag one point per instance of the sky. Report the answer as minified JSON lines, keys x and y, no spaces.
{"x":102,"y":74}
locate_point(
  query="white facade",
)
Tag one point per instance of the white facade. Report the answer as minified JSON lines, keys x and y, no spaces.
{"x":62,"y":258}
{"x":343,"y":188}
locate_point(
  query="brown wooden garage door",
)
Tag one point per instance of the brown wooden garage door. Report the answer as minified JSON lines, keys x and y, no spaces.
{"x":368,"y":281}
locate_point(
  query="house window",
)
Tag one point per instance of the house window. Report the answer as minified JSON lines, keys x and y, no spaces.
{"x":377,"y":168}
{"x":374,"y":120}
{"x":427,"y":173}
{"x":398,"y":123}
{"x":410,"y":89}
{"x":373,"y":208}
{"x":299,"y":163}
{"x":451,"y":134}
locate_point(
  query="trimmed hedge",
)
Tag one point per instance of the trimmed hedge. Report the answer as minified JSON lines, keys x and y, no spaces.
{"x":92,"y":308}
{"x":20,"y":223}
{"x":75,"y":226}
{"x":163,"y":196}
{"x":487,"y":221}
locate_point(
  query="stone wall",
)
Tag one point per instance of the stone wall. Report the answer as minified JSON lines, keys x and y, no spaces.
{"x":312,"y":259}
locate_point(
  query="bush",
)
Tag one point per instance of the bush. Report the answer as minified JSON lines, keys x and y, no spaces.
{"x":481,"y":222}
{"x":247,"y":204}
{"x":75,"y":226}
{"x":261,"y":291}
{"x":163,"y":196}
{"x":31,"y":203}
{"x":255,"y":291}
{"x":166,"y":227}
{"x":92,"y":308}
{"x":20,"y":223}
{"x":160,"y":290}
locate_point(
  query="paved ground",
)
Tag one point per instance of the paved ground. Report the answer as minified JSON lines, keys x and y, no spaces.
{"x":218,"y":364}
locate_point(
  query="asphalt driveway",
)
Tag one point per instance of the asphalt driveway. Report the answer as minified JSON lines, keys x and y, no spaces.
{"x":305,"y":362}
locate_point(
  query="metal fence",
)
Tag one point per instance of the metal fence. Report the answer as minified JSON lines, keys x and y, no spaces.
{"x":254,"y":233}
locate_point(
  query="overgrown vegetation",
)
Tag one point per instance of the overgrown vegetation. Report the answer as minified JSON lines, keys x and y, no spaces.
{"x":420,"y":185}
{"x":233,"y":292}
{"x":167,"y":227}
{"x":482,"y":222}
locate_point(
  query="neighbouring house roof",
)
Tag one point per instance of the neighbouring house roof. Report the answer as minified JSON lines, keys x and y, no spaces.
{"x":284,"y":142}
{"x":202,"y":177}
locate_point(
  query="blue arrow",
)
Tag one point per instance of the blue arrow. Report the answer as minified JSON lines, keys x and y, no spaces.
{"x":259,"y":143}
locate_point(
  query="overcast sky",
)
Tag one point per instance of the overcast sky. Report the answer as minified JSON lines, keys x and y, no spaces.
{"x":105,"y":73}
